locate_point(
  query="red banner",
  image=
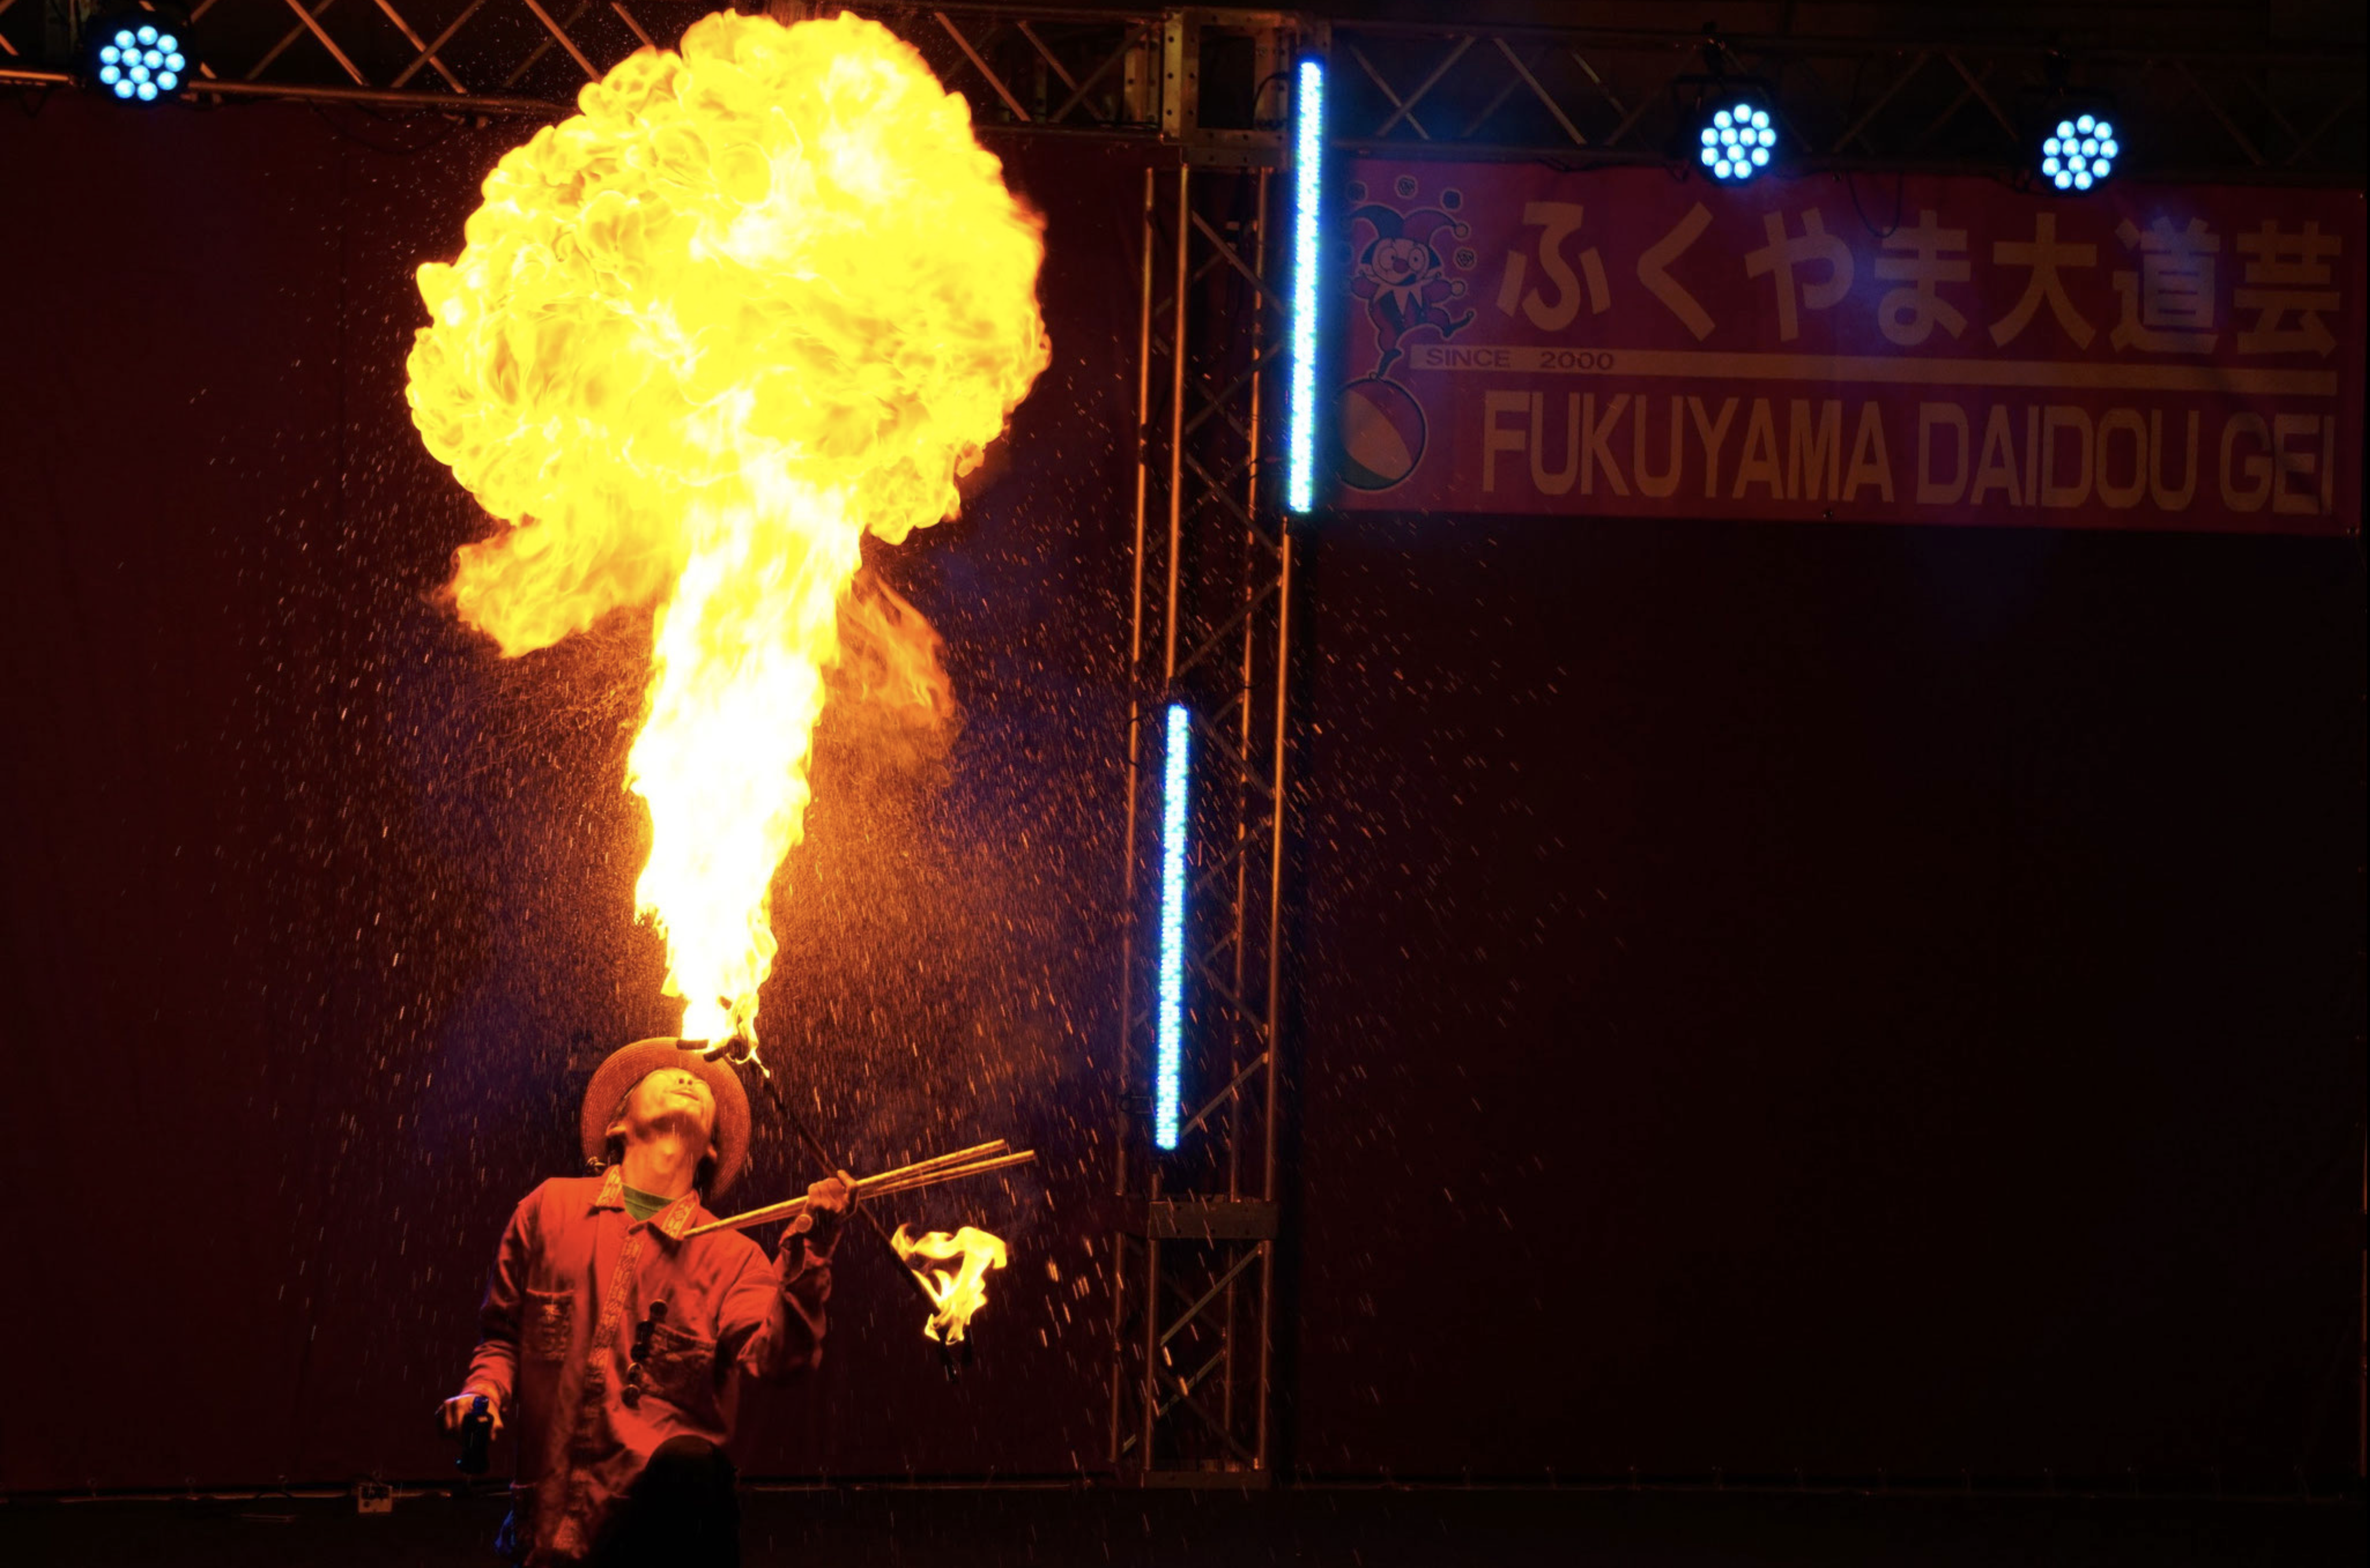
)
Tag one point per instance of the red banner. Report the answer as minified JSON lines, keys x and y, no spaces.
{"x":1930,"y":349}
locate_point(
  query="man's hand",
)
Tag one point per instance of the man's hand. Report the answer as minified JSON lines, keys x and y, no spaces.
{"x":456,"y":1411}
{"x":828,"y":1203}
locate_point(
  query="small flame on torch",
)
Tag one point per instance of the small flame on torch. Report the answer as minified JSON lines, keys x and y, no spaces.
{"x":960,"y":1292}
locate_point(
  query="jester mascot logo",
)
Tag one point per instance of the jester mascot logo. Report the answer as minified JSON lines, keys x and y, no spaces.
{"x":1399,"y":263}
{"x":1401,"y":275}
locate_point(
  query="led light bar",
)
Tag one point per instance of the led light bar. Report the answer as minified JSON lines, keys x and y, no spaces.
{"x":1169,"y":1003}
{"x":1308,"y":186}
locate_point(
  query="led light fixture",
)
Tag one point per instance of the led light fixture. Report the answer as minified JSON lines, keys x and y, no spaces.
{"x":2079,"y":152}
{"x":1168,"y":1006}
{"x":1738,"y":139}
{"x":1308,"y":186}
{"x":137,"y":56}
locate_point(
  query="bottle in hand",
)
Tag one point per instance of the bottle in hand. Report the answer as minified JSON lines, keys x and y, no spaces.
{"x":477,"y":1436}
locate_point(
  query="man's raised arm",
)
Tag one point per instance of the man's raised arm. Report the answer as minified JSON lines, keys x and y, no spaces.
{"x":773,"y":1318}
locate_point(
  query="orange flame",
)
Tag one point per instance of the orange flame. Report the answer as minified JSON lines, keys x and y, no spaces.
{"x":961,"y":1293}
{"x":758,"y":299}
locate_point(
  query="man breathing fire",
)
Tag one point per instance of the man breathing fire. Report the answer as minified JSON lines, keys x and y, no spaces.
{"x":613,"y":1347}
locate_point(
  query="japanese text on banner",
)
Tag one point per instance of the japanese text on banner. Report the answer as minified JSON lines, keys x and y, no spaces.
{"x":1948,"y":351}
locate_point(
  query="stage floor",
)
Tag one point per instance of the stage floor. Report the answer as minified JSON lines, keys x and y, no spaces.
{"x":1308,"y":1527}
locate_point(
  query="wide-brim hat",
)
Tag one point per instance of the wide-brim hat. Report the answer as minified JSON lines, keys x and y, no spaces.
{"x":629,"y":1065}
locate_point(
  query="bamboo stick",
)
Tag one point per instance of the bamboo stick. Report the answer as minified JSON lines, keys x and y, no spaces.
{"x":905,"y":1179}
{"x":959,"y":1156}
{"x":932,"y":1178}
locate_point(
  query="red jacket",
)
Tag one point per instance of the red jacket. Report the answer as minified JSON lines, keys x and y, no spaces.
{"x":572,"y":1284}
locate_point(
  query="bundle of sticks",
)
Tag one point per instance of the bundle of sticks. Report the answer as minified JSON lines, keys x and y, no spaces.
{"x":976,"y":1161}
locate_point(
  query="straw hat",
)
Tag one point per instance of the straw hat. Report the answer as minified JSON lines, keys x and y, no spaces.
{"x":628,"y":1065}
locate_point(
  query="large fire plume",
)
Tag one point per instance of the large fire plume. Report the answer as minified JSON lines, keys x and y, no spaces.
{"x":960,"y":1292}
{"x":759,"y":298}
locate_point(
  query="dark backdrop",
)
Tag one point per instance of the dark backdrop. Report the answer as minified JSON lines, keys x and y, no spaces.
{"x":1827,"y":999}
{"x":1769,"y":997}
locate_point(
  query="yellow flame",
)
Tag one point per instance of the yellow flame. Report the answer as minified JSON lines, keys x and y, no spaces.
{"x":961,"y":1293}
{"x":757,"y":299}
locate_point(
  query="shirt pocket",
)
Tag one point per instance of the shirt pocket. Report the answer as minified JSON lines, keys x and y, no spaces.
{"x":550,"y":1325}
{"x":681,"y":1369}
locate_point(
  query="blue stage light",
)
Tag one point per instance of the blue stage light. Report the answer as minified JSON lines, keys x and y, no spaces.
{"x":1737,"y":141}
{"x":1169,"y":1003}
{"x":2079,"y":153}
{"x":137,"y":59}
{"x":1308,"y":187}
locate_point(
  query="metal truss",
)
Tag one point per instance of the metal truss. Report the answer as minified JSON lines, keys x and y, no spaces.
{"x":1195,"y":1260}
{"x":1576,"y":95}
{"x":1581,"y":97}
{"x":1040,"y":67}
{"x":1194,"y":1265}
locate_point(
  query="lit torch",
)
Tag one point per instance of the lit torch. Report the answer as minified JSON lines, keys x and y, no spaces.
{"x":757,"y":299}
{"x":957,"y":1294}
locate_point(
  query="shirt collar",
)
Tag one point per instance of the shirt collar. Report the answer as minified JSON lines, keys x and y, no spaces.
{"x":670,"y":1222}
{"x":676,"y":1218}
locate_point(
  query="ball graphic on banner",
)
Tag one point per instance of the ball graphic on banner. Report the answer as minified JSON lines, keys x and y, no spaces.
{"x":1381,"y":434}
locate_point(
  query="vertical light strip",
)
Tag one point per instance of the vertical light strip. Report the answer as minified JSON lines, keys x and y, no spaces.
{"x":1308,"y":185}
{"x":1166,"y":1063}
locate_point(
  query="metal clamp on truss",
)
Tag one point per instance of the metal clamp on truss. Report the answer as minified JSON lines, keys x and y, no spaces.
{"x":1226,"y":79}
{"x":1209,"y":1219}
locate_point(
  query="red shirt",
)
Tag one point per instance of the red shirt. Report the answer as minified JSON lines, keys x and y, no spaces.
{"x":574,"y":1278}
